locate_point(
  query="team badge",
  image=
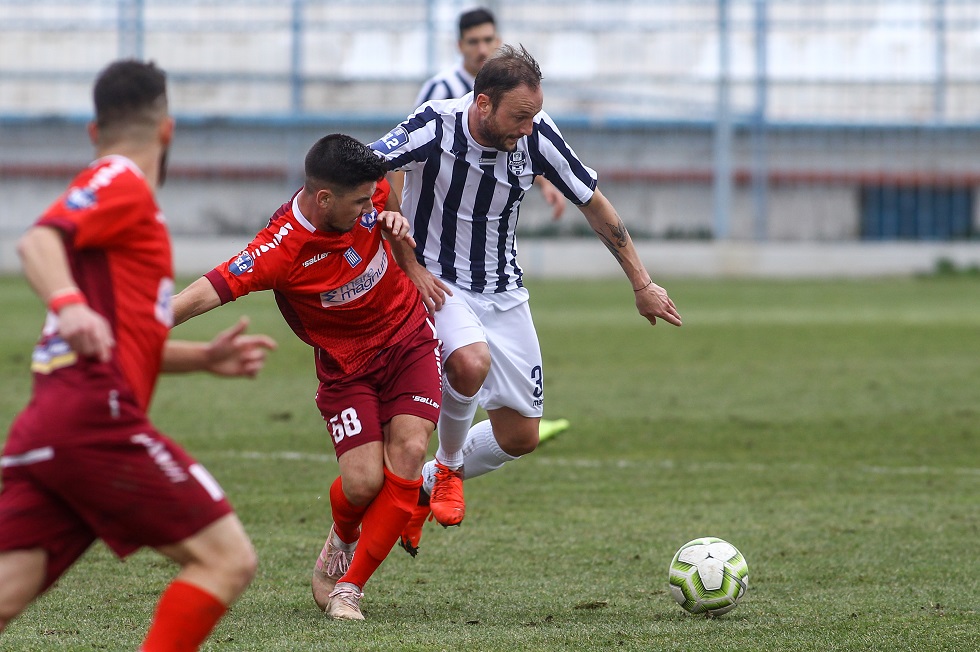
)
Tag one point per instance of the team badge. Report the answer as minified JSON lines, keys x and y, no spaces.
{"x":391,"y":141}
{"x":79,"y":198}
{"x":516,"y":161}
{"x":369,"y":220}
{"x":242,"y":264}
{"x":352,"y":258}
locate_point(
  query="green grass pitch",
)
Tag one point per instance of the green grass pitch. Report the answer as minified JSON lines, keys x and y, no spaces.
{"x":830,"y":430}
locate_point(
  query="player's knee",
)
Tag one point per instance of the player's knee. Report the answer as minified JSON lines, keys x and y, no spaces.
{"x":408,"y":455}
{"x":524,"y":445}
{"x":361,"y":490}
{"x":467,"y":368}
{"x":520,"y":440}
{"x":236,"y":562}
{"x":248,"y":566}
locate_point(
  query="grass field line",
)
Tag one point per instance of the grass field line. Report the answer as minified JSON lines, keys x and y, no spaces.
{"x":663,"y":464}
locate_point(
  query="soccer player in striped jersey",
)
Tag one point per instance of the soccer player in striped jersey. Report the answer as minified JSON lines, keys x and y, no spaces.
{"x":376,"y":354}
{"x":478,"y":39}
{"x":468,"y":163}
{"x":82,"y":460}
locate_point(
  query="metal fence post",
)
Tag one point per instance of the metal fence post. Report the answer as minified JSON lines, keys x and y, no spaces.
{"x":131,"y":28}
{"x":939,"y":85}
{"x":760,"y":147}
{"x":296,"y":58}
{"x":723,"y":131}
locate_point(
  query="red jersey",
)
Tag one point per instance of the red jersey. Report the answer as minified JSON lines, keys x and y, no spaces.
{"x":119,"y":251}
{"x":341,"y":293}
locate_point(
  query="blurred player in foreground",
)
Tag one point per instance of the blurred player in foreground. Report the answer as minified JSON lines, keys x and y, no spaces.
{"x":478,"y":40}
{"x":82,"y":461}
{"x":468,"y":163}
{"x":377,"y":357}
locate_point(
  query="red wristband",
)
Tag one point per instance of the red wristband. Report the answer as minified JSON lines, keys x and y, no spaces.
{"x":65,"y":297}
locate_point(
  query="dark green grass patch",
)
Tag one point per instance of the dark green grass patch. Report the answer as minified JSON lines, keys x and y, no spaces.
{"x":829,"y":430}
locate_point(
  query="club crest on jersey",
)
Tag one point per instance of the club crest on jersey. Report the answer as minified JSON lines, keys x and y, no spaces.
{"x":516,"y":161}
{"x":242,"y":264}
{"x":369,"y":220}
{"x":392,"y":140}
{"x":352,"y":258}
{"x":79,"y":198}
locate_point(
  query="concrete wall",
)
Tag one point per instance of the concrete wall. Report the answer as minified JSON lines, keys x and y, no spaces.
{"x":229,"y":177}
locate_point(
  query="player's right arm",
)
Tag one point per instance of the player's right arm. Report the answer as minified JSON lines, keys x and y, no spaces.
{"x":196,"y":299}
{"x":45,"y":262}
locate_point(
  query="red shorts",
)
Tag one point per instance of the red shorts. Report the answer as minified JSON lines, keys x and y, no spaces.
{"x":405,"y":378}
{"x":81,"y":463}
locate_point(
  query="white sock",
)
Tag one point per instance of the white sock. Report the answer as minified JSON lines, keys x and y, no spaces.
{"x":481,"y":452}
{"x":455,"y":419}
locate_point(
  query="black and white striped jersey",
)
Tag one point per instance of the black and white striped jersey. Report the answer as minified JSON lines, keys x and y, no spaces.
{"x":448,"y":84}
{"x":463,"y":198}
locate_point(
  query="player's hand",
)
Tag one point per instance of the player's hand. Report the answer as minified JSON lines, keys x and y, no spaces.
{"x":652,"y":302}
{"x":396,"y":225}
{"x":86,"y":331}
{"x":552,"y":197}
{"x":432,"y":289}
{"x":232,"y":353}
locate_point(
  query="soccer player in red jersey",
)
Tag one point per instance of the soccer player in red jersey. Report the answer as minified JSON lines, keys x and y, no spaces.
{"x":82,"y":461}
{"x":377,"y":356}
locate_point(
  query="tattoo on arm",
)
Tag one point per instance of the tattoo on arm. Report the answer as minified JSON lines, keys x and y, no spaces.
{"x":616,"y":239}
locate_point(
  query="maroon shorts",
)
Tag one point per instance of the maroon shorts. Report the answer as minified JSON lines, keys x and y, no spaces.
{"x":405,"y":378}
{"x":82,"y":463}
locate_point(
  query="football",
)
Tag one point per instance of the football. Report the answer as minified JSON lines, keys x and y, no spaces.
{"x":708,"y":576}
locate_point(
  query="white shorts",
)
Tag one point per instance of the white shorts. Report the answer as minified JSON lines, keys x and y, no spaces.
{"x":503,"y":321}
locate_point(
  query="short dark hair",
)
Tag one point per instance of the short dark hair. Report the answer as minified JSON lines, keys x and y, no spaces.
{"x":342,"y":163}
{"x":474,"y":17}
{"x":128,"y":92}
{"x":507,"y":69}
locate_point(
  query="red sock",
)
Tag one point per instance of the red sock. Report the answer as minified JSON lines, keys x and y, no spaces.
{"x":346,"y":517}
{"x":383,"y":523}
{"x":185,"y":616}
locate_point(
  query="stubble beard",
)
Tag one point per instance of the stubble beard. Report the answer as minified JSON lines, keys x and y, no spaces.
{"x":490,"y":133}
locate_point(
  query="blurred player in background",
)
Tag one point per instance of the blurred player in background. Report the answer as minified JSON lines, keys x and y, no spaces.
{"x":377,"y":358}
{"x":468,"y":163}
{"x":478,"y":40}
{"x":82,"y":461}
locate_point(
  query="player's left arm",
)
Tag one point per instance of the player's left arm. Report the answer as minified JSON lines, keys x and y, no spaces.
{"x":230,"y":353}
{"x":552,"y":196}
{"x":651,"y":299}
{"x":432,"y":289}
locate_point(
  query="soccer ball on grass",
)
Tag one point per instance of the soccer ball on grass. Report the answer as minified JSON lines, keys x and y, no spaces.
{"x":708,"y":576}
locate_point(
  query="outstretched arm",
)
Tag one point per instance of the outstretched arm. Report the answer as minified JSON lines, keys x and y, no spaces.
{"x":196,"y":299}
{"x":230,"y":353}
{"x":651,"y":299}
